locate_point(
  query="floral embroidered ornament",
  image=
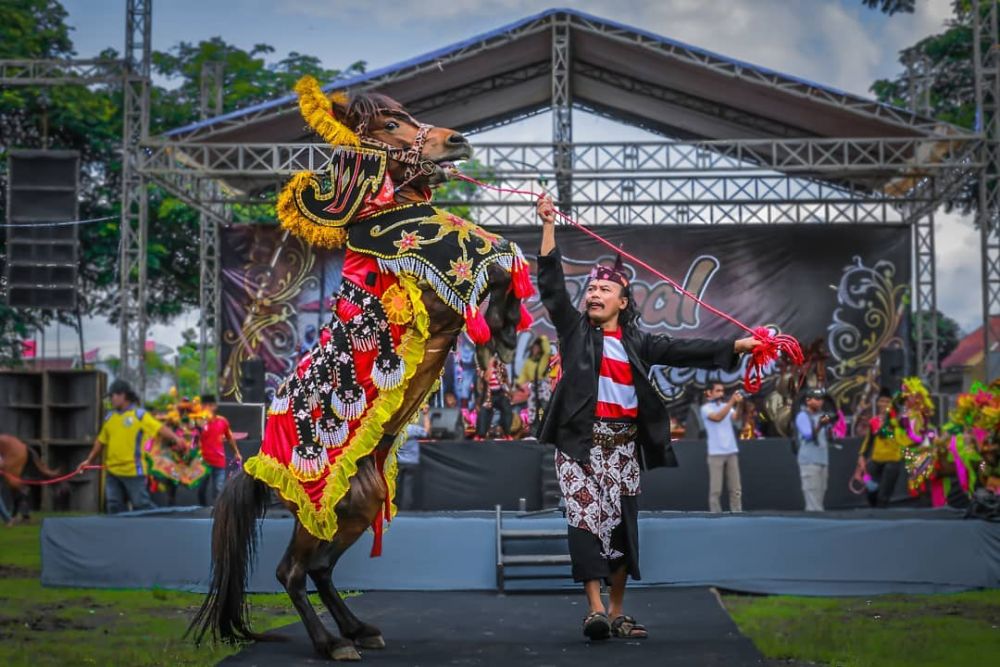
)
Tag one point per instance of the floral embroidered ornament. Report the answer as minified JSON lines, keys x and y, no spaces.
{"x":453,"y":255}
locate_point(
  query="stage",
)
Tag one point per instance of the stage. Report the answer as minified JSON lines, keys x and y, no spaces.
{"x":858,"y":552}
{"x":687,"y":626}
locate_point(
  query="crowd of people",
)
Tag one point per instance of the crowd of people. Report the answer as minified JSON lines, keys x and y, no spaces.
{"x":146,"y":453}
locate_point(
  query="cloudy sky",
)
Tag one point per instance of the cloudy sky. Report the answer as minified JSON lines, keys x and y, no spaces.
{"x":835,"y":42}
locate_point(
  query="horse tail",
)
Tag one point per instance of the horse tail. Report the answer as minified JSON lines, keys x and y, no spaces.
{"x":235,"y":532}
{"x":42,"y":468}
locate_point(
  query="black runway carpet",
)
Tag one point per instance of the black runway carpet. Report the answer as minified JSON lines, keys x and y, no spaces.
{"x":687,"y":626}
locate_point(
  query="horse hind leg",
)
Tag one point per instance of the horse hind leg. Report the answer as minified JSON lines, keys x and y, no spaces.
{"x":292,"y":574}
{"x":355,"y":512}
{"x":363,"y":634}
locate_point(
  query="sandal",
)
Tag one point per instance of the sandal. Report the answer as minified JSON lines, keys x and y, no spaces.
{"x":625,"y":626}
{"x":596,"y":626}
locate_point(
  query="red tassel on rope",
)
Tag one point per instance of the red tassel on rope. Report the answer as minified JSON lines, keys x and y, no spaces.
{"x":771,"y":345}
{"x":521,"y":279}
{"x":475,"y":325}
{"x":526,"y":320}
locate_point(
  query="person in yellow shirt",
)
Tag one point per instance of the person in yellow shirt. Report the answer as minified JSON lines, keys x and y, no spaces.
{"x":125,"y":430}
{"x":534,"y":377}
{"x":883,"y":453}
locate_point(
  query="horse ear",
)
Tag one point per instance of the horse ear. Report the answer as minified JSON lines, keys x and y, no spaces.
{"x":318,"y":110}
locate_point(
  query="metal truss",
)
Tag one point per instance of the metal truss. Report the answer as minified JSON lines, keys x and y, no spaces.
{"x":210,"y":323}
{"x":911,"y":158}
{"x":59,"y":72}
{"x":562,"y":116}
{"x":986,"y":57}
{"x":134,"y":204}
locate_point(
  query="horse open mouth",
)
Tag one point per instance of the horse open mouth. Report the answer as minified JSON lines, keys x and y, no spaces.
{"x":445,"y":167}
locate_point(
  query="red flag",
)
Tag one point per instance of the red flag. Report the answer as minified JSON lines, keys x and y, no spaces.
{"x":28,"y":349}
{"x":150,"y":346}
{"x":90,"y":356}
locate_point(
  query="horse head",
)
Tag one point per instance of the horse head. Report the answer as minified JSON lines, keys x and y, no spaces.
{"x":419,"y":159}
{"x":419,"y":155}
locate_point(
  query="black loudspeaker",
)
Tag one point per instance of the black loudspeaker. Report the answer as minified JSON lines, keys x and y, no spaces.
{"x":245,"y":418}
{"x":892,"y":367}
{"x":42,"y":259}
{"x":446,"y":424}
{"x":252,"y":381}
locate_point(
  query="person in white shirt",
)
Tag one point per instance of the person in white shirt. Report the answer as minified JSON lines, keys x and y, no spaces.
{"x":723,"y":455}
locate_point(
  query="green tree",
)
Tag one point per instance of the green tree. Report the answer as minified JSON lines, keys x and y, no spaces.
{"x":454,"y":193}
{"x":891,"y":7}
{"x":89,"y":119}
{"x":188,"y":365}
{"x":948,"y":331}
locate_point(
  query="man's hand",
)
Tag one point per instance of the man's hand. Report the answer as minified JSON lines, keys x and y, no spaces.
{"x":546,"y":210}
{"x":745,"y":345}
{"x":737,"y":397}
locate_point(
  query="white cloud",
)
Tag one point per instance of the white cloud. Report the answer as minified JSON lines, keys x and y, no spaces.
{"x":958,"y":267}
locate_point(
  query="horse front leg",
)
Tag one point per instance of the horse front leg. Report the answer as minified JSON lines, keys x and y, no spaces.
{"x":299,"y":558}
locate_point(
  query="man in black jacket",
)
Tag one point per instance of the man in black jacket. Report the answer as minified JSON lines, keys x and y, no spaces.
{"x":607,"y":422}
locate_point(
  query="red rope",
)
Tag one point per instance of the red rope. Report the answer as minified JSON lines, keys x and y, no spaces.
{"x":771,"y":344}
{"x":45,"y":482}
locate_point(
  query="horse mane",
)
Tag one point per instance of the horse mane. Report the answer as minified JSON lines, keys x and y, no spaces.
{"x":365,"y":106}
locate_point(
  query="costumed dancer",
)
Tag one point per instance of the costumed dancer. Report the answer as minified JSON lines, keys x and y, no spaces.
{"x":176,"y":463}
{"x":607,"y":423}
{"x":914,"y":431}
{"x":974,"y":427}
{"x":881,"y":455}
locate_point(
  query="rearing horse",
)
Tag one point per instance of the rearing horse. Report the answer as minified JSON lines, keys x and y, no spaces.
{"x":413,"y":277}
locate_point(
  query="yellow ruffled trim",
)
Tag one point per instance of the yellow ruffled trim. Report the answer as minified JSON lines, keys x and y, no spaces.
{"x":317,"y":110}
{"x":291,"y":217}
{"x":322,"y":523}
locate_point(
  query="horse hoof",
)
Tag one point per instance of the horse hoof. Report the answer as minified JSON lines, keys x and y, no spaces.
{"x":345,"y":653}
{"x":373,"y":642}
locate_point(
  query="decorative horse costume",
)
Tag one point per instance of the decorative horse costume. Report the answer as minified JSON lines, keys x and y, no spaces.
{"x":413,"y":276}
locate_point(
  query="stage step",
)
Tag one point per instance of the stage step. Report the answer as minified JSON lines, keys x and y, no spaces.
{"x":515,"y":534}
{"x":505,"y":560}
{"x":537,"y":559}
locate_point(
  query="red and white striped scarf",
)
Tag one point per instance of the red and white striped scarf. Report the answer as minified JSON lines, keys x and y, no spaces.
{"x":616,"y":398}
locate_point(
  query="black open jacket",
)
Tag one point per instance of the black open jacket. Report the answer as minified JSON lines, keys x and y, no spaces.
{"x":569,"y":419}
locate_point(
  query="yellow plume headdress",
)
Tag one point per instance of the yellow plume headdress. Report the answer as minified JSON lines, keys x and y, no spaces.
{"x":317,"y":207}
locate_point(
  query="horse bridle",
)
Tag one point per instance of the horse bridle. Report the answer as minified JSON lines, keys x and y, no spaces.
{"x":409,"y":156}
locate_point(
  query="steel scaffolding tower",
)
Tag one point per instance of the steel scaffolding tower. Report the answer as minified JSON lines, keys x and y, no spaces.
{"x":134,"y":203}
{"x":986,"y":58}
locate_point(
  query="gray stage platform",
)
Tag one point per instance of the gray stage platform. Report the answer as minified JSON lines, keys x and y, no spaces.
{"x":864,"y":552}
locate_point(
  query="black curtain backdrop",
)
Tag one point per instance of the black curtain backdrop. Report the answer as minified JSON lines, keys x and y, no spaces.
{"x":842,"y":284}
{"x":463,"y":475}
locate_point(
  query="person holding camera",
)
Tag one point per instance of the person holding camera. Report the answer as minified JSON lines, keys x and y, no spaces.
{"x":719,"y":417}
{"x":812,"y":435}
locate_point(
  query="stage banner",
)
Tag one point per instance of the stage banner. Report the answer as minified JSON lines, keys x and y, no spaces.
{"x":842,"y":290}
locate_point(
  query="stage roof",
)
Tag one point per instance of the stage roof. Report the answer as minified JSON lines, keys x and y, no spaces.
{"x":620,"y":71}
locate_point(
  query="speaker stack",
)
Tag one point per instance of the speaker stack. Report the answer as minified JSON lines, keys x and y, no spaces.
{"x":42,"y":258}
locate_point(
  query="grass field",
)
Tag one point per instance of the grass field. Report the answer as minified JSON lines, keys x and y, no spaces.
{"x":63,"y":626}
{"x":951,"y":630}
{"x":71,"y":626}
